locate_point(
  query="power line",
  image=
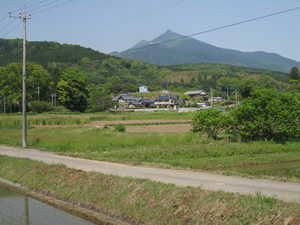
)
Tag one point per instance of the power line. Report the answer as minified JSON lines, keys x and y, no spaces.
{"x":122,"y":21}
{"x":50,"y":3}
{"x":28,"y":6}
{"x":12,"y":30}
{"x":3,"y":18}
{"x":50,"y":7}
{"x":7,"y":25}
{"x":22,"y":8}
{"x":218,"y":28}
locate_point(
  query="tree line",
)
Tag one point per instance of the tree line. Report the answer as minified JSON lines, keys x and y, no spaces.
{"x":265,"y":115}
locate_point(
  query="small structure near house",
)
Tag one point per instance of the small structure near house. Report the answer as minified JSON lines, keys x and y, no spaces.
{"x":216,"y":99}
{"x":146,"y":102}
{"x":143,"y":89}
{"x":194,"y":94}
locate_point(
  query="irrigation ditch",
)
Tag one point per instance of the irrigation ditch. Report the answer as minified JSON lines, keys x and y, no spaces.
{"x":80,"y":210}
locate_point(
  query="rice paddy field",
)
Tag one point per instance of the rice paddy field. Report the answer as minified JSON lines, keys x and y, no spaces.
{"x":160,"y":139}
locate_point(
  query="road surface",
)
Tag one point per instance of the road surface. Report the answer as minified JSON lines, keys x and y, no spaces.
{"x":281,"y":190}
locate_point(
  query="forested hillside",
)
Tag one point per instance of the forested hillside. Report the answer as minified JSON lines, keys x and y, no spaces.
{"x":44,"y":52}
{"x":65,"y":66}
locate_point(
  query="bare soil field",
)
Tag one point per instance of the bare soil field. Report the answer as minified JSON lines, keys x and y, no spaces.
{"x":148,"y":128}
{"x":140,"y":128}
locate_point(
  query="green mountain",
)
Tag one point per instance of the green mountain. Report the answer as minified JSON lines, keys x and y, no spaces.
{"x":185,"y":50}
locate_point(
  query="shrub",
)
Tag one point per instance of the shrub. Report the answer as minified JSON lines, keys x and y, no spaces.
{"x":40,"y":106}
{"x":209,"y":121}
{"x":120,"y":128}
{"x":268,"y":114}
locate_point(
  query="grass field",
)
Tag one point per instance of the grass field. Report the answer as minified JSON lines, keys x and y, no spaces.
{"x":143,"y":200}
{"x":183,"y":150}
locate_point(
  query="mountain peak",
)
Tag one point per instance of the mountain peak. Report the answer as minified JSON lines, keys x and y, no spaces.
{"x":167,"y":36}
{"x":189,"y":50}
{"x":140,"y":44}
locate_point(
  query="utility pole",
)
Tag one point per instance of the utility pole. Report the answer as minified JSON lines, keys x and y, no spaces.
{"x":53,"y":95}
{"x":55,"y":99}
{"x":38,"y":88}
{"x":227,"y":95}
{"x":4,"y":99}
{"x":212,"y":98}
{"x":24,"y":119}
{"x":236,"y":103}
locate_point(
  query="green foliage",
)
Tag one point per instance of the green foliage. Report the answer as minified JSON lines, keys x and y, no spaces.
{"x":113,"y":85}
{"x":44,"y":52}
{"x":40,"y":106}
{"x":11,"y":80}
{"x":209,"y":121}
{"x":295,"y":74}
{"x":268,"y":114}
{"x":247,"y":86}
{"x":120,"y":128}
{"x":99,"y":101}
{"x":72,"y":89}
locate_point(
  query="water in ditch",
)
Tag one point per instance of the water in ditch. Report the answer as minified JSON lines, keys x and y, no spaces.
{"x":16,"y":209}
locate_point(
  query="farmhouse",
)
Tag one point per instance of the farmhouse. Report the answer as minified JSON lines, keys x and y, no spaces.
{"x":131,"y":101}
{"x":124,"y":99}
{"x":171,"y":101}
{"x":194,"y":94}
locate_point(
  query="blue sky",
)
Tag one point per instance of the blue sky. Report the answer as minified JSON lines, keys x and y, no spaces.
{"x":116,"y":25}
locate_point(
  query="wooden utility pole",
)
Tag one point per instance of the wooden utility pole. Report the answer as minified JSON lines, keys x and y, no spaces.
{"x":4,"y":99}
{"x":24,"y":119}
{"x":38,"y":88}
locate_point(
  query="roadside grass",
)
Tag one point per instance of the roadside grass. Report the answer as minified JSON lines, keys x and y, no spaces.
{"x":43,"y":120}
{"x":176,"y":150}
{"x":147,"y":201}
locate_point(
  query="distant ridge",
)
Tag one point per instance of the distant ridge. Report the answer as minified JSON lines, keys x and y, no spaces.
{"x":189,"y":50}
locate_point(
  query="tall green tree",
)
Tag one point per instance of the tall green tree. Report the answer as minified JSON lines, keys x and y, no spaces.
{"x":72,"y":89}
{"x":295,"y":74}
{"x":11,"y":79}
{"x":113,"y":85}
{"x":223,"y":83}
{"x":99,"y":101}
{"x":247,"y":86}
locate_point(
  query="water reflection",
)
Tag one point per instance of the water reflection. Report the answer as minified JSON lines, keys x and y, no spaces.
{"x":17,"y":209}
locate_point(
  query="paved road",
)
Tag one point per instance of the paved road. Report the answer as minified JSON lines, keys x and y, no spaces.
{"x":281,"y":190}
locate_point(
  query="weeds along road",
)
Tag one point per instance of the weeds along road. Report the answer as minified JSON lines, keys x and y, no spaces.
{"x":280,"y":190}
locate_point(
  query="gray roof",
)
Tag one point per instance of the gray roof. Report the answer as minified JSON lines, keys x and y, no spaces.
{"x":165,"y":98}
{"x":126,"y":96}
{"x":146,"y":100}
{"x":201,"y":92}
{"x":180,"y":101}
{"x":130,"y":98}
